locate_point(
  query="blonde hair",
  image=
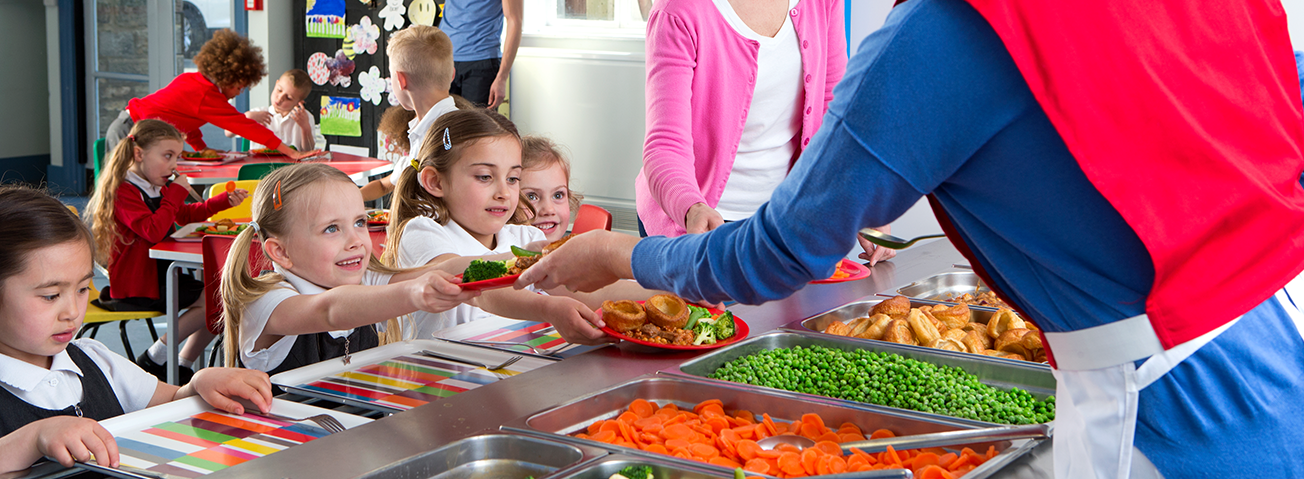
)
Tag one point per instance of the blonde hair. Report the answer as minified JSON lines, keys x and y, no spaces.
{"x":298,"y":78}
{"x":539,"y":153}
{"x":466,"y":127}
{"x":99,"y":210}
{"x":425,"y":54}
{"x":239,"y":288}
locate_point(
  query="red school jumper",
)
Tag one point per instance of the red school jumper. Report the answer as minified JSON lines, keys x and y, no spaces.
{"x":132,"y":273}
{"x":190,"y":102}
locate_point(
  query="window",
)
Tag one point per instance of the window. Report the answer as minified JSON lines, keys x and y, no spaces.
{"x":621,"y":17}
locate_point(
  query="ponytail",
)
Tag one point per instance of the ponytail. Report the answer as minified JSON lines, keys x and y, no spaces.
{"x":100,"y":208}
{"x":240,"y":288}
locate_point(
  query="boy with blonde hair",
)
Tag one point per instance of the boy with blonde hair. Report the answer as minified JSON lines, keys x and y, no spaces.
{"x":420,"y":72}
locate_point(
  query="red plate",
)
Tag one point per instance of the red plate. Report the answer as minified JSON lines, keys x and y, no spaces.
{"x":487,"y":284}
{"x":266,"y":153}
{"x":856,"y":270}
{"x":188,"y":155}
{"x":740,"y":332}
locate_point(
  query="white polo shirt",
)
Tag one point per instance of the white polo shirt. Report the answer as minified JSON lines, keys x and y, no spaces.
{"x":417,"y":130}
{"x":287,"y":130}
{"x":256,"y":314}
{"x":60,"y":386}
{"x":424,"y":240}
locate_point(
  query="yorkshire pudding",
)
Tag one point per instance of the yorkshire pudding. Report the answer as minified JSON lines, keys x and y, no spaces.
{"x":877,"y":325}
{"x":898,"y":307}
{"x":623,"y":316}
{"x":954,"y":316}
{"x":898,"y":331}
{"x":667,"y":310}
{"x":838,"y":328}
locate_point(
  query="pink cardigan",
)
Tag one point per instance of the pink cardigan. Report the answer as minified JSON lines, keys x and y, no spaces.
{"x":700,"y":77}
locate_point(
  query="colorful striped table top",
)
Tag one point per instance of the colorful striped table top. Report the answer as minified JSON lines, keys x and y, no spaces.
{"x":541,"y":336}
{"x":408,"y":381}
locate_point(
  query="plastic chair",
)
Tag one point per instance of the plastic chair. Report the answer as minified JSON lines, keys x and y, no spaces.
{"x":256,"y":171}
{"x":242,"y":143}
{"x":591,"y":217}
{"x":215,"y":250}
{"x":97,"y":316}
{"x":241,"y":212}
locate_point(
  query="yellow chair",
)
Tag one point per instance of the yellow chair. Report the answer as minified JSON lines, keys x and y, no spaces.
{"x":241,"y":212}
{"x":96,"y":316}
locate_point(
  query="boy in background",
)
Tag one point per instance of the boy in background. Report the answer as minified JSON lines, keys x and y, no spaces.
{"x":286,"y":116}
{"x":420,"y":72}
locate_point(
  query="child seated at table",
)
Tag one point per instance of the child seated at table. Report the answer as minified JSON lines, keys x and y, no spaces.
{"x":136,"y":205}
{"x":227,"y":64}
{"x":53,"y":388}
{"x":286,"y":116}
{"x":545,"y":183}
{"x":327,"y":291}
{"x":420,"y":72}
{"x":455,"y":205}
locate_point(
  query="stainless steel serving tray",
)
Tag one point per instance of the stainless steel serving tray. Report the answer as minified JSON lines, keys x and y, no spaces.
{"x":1002,"y":374}
{"x":491,"y":455}
{"x":661,"y":469}
{"x":932,"y":289}
{"x":860,"y":309}
{"x":559,"y":422}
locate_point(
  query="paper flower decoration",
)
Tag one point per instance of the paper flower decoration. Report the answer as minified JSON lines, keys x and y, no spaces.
{"x":372,"y":85}
{"x":393,"y":14}
{"x":317,"y":70}
{"x":389,"y":88}
{"x":361,"y":38}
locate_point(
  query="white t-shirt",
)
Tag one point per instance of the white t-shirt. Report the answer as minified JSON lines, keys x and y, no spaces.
{"x":773,"y":126}
{"x":424,"y":240}
{"x":256,"y":314}
{"x":417,"y":132}
{"x":60,"y":386}
{"x":287,"y":130}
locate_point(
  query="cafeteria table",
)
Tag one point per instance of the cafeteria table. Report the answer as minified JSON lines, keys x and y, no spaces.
{"x":359,"y":168}
{"x":189,"y":255}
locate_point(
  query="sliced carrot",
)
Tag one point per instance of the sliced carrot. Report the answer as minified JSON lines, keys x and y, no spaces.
{"x":963,"y":460}
{"x":626,"y":430}
{"x":769,"y":424}
{"x":745,"y":416}
{"x":933,"y":472}
{"x":644,"y":422}
{"x":822,"y":466}
{"x":677,"y":431}
{"x":726,"y":462}
{"x":770,"y":453}
{"x":704,"y":450}
{"x":850,"y":437}
{"x":711,"y":410}
{"x":866,"y":455}
{"x":809,"y":457}
{"x":788,"y":448}
{"x":642,"y":408}
{"x":890,"y":456}
{"x":673,"y":444}
{"x":812,"y":418}
{"x":856,"y":460}
{"x":782,"y":428}
{"x":830,"y":447}
{"x":682,"y":454}
{"x":991,"y":452}
{"x":790,"y":463}
{"x":698,"y":408}
{"x":882,"y":433}
{"x":757,"y":465}
{"x":945,"y":460}
{"x":829,"y":436}
{"x":748,"y":450}
{"x":605,"y":436}
{"x":849,"y":427}
{"x":582,"y":435}
{"x":627,"y":417}
{"x":593,"y":428}
{"x":809,"y":430}
{"x":657,"y":448}
{"x":837,"y":464}
{"x":729,"y":439}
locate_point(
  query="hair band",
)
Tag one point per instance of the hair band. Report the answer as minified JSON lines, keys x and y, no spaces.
{"x":277,"y":199}
{"x":416,"y":165}
{"x":448,"y":143}
{"x":131,"y":137}
{"x":254,"y":226}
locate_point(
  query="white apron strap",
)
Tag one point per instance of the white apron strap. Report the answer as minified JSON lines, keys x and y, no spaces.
{"x":1119,"y":342}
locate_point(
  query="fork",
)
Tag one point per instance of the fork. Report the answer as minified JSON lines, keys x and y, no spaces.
{"x":325,"y":421}
{"x":510,"y":361}
{"x":541,"y":352}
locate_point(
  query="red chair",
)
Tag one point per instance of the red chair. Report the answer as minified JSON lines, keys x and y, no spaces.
{"x":215,"y":249}
{"x":591,"y":217}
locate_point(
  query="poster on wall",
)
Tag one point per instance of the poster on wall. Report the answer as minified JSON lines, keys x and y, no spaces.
{"x":341,"y":116}
{"x":325,"y":19}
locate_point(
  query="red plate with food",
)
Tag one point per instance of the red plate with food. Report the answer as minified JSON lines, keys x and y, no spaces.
{"x":265,"y":152}
{"x":198,"y":156}
{"x":487,"y":284}
{"x":848,"y":270}
{"x":670,"y":323}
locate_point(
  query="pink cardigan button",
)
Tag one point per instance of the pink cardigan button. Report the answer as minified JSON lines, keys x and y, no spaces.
{"x":807,"y":78}
{"x":793,"y":12}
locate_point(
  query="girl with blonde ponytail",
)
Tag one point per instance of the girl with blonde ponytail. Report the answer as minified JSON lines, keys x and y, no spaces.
{"x":326,"y":292}
{"x":137,"y":203}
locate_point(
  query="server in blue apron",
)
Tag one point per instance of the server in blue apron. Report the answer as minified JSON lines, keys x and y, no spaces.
{"x":1125,"y":173}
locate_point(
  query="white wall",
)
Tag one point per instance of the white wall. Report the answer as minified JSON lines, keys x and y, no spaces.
{"x":272,"y":29}
{"x":25,"y":125}
{"x":1295,"y":21}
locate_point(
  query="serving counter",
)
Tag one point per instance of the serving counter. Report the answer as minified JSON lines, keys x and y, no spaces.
{"x":368,"y":448}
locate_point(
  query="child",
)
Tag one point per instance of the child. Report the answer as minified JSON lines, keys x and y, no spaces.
{"x":53,"y":389}
{"x":545,"y":183}
{"x":392,"y":131}
{"x":457,"y":204}
{"x":327,"y":290}
{"x":420,"y":71}
{"x":135,"y":206}
{"x":227,"y":64}
{"x":286,"y":116}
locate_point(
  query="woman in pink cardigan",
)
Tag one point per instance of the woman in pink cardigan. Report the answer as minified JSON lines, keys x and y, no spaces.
{"x":735,"y":90}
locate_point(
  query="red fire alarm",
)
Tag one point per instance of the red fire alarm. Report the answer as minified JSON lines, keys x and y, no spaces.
{"x":253,"y":4}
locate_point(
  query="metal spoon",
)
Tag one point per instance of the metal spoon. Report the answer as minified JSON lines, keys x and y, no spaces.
{"x":937,"y":439}
{"x":892,"y":242}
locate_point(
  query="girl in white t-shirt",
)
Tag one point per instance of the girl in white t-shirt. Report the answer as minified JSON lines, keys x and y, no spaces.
{"x":327,"y":290}
{"x":454,"y":206}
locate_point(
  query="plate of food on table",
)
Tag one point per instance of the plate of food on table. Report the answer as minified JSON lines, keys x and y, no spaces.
{"x":202,"y":155}
{"x":488,"y":274}
{"x":377,"y":219}
{"x":268,"y":152}
{"x":667,"y":321}
{"x":848,"y":270}
{"x":197,"y":231}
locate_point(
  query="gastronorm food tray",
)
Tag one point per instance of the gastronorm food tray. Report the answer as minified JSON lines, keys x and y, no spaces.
{"x":932,"y":289}
{"x":1028,"y":376}
{"x":661,"y":469}
{"x":860,"y":309}
{"x":491,"y":455}
{"x":573,"y":417}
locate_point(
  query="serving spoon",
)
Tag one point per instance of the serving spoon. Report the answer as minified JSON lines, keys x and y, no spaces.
{"x":891,"y":242}
{"x":937,"y":439}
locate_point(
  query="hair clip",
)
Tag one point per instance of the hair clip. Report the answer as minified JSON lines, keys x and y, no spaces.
{"x":131,"y":137}
{"x":416,"y":165}
{"x":277,"y":199}
{"x":448,"y":143}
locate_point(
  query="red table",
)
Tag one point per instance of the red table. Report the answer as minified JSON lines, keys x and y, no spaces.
{"x":359,"y":168}
{"x":189,"y":255}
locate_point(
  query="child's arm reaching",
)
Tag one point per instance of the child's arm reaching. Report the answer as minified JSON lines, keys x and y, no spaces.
{"x":575,"y":321}
{"x":65,"y":439}
{"x":220,"y":387}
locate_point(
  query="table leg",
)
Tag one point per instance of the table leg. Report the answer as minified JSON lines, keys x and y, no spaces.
{"x":174,"y":297}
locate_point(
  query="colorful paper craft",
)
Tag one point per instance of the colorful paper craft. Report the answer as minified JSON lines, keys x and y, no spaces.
{"x":393,"y":14}
{"x":372,"y":85}
{"x":361,"y":38}
{"x":325,"y":19}
{"x":341,"y":116}
{"x":423,"y":12}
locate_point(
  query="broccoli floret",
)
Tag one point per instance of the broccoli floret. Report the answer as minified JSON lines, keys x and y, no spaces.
{"x":705,"y":336}
{"x":480,"y":270}
{"x":724,"y":326}
{"x":637,"y":472}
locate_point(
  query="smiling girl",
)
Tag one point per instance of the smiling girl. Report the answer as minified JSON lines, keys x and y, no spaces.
{"x":137,"y":204}
{"x":545,"y":183}
{"x":326,"y":291}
